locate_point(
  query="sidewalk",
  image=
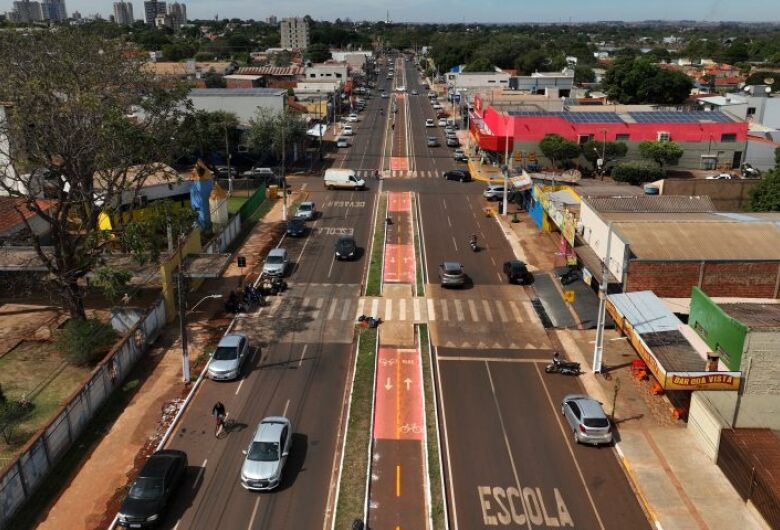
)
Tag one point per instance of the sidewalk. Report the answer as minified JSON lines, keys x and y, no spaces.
{"x":92,"y":497}
{"x":679,"y":487}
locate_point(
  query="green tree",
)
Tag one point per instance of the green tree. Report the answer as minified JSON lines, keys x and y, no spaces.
{"x":765,"y":196}
{"x":661,"y":152}
{"x":531,"y":61}
{"x":558,"y":148}
{"x":634,"y":81}
{"x":85,"y":342}
{"x":637,"y":172}
{"x":214,"y":80}
{"x":758,"y":78}
{"x":99,"y":126}
{"x":611,"y":151}
{"x":275,"y":133}
{"x":480,"y":64}
{"x":584,"y":74}
{"x":12,"y":412}
{"x":317,"y":53}
{"x":204,"y":132}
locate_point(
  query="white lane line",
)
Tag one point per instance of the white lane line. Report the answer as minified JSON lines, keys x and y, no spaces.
{"x":500,"y":278}
{"x":374,"y":307}
{"x":451,"y":489}
{"x":449,"y":222}
{"x":515,"y":312}
{"x":431,"y":310}
{"x":198,"y":476}
{"x":286,"y":406}
{"x":360,"y":305}
{"x":454,"y":243}
{"x":473,"y":311}
{"x":332,"y":310}
{"x":459,"y":311}
{"x":444,"y":203}
{"x":177,"y":525}
{"x":345,"y":311}
{"x":501,"y":311}
{"x":506,"y":439}
{"x":416,"y":309}
{"x":332,"y":261}
{"x":402,"y":309}
{"x":488,"y":312}
{"x":494,"y":261}
{"x":303,"y":354}
{"x":318,"y":304}
{"x":567,"y":441}
{"x":239,"y":386}
{"x":254,"y":514}
{"x":388,"y":309}
{"x":530,"y":314}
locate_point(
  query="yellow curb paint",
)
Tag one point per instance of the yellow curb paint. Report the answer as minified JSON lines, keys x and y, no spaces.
{"x":398,"y":481}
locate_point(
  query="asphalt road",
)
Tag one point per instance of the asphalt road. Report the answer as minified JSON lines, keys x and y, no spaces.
{"x":301,"y":369}
{"x":509,"y":459}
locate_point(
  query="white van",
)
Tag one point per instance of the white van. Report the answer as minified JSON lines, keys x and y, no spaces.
{"x":343,"y":178}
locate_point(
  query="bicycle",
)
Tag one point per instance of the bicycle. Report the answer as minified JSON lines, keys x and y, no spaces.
{"x":223,"y":426}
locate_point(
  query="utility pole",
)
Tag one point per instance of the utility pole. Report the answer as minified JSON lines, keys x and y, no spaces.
{"x":227,"y":155}
{"x":322,"y":127}
{"x":598,"y":350}
{"x":506,"y":164}
{"x":180,"y":282}
{"x":284,"y":156}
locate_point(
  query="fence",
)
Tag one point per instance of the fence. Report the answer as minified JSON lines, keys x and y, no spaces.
{"x":220,"y":242}
{"x":20,"y":480}
{"x":249,"y":207}
{"x":750,"y":459}
{"x":242,"y":187}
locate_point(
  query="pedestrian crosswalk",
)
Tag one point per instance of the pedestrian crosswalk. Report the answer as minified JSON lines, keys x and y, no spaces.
{"x":401,"y":174}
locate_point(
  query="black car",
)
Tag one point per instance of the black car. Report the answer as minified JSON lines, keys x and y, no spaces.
{"x":458,"y":174}
{"x":152,"y":488}
{"x":346,"y":248}
{"x":296,"y":227}
{"x":517,"y":272}
{"x":223,"y":172}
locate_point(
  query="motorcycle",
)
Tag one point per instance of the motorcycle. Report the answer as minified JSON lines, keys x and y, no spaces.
{"x":234,"y":304}
{"x":559,"y":366}
{"x":474,"y":245}
{"x":570,"y":276}
{"x":253,"y":297}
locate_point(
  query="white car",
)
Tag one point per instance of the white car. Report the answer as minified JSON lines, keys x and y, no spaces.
{"x":231,"y":353}
{"x":436,"y":106}
{"x":493,"y":192}
{"x":352,"y":118}
{"x":347,"y":131}
{"x":401,"y":89}
{"x":342,"y":142}
{"x":384,"y":95}
{"x":429,"y":123}
{"x":721,"y":176}
{"x":267,"y":454}
{"x":431,"y":94}
{"x":442,"y":122}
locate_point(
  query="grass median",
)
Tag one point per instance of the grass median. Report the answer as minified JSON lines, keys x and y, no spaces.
{"x":352,"y":491}
{"x":374,"y":280}
{"x":434,"y":465}
{"x":418,"y":250}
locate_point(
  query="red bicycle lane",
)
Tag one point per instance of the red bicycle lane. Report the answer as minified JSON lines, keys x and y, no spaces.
{"x":399,"y":259}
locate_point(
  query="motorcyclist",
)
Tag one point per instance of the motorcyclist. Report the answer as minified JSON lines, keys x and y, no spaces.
{"x":473,"y":240}
{"x":557,"y":357}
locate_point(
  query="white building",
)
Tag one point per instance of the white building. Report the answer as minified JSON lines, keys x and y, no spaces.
{"x":477,"y":80}
{"x":123,"y":13}
{"x":295,"y":33}
{"x":327,"y":71}
{"x":178,"y":13}
{"x":243,"y":102}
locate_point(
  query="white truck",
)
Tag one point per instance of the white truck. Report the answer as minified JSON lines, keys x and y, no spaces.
{"x":344,"y":179}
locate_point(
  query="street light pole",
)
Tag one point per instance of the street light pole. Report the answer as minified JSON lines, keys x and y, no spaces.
{"x":185,"y":356}
{"x":227,"y":155}
{"x":284,"y":156}
{"x":506,"y":165}
{"x":598,"y":350}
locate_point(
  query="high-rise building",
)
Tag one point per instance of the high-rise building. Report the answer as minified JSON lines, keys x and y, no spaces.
{"x":295,"y":33}
{"x":27,"y":11}
{"x":272,"y":20}
{"x":178,"y":13}
{"x":54,"y":10}
{"x":152,"y":8}
{"x":123,"y":13}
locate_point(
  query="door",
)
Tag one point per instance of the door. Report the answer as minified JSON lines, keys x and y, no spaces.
{"x":737,"y":161}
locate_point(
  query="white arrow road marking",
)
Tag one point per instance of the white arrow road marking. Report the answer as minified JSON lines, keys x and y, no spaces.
{"x":408,"y":383}
{"x":388,"y":386}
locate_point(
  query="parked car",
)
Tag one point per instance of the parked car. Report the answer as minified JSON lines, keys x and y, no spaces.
{"x":296,"y":227}
{"x":721,"y":176}
{"x":148,"y":496}
{"x":452,"y":141}
{"x":342,"y":142}
{"x":493,"y":192}
{"x":451,"y":274}
{"x":431,"y":94}
{"x":442,"y":122}
{"x":352,"y":118}
{"x":432,"y":141}
{"x":460,"y":155}
{"x":259,"y":172}
{"x":229,"y":357}
{"x":430,"y":123}
{"x":384,"y":95}
{"x":517,"y":272}
{"x":347,"y":131}
{"x":306,"y":210}
{"x":414,"y":92}
{"x":224,"y":172}
{"x":276,"y":262}
{"x":436,"y":106}
{"x":346,"y":248}
{"x":587,"y":419}
{"x":461,"y":175}
{"x":267,"y":454}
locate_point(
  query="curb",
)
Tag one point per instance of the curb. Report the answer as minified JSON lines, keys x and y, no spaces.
{"x":476,"y":174}
{"x":627,"y":469}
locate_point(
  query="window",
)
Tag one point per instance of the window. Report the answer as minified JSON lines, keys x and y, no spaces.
{"x":728,"y":137}
{"x":751,"y":111}
{"x":622,"y":137}
{"x":664,"y":136}
{"x":582,"y":139}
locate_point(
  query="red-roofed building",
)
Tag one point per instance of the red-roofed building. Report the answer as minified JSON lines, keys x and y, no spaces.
{"x":15,"y":216}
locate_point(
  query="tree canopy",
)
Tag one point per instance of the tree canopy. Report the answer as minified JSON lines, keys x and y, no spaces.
{"x":661,"y":152}
{"x":558,"y":148}
{"x":637,"y":80}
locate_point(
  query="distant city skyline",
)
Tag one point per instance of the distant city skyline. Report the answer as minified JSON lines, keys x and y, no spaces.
{"x":489,"y":11}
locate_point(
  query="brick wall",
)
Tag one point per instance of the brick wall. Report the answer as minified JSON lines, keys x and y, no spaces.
{"x":675,"y":279}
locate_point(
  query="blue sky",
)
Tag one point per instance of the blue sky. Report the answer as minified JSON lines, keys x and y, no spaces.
{"x":463,"y":10}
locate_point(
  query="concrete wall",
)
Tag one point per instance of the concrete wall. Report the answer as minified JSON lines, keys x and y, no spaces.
{"x":594,"y":233}
{"x":478,"y":80}
{"x":672,"y":279}
{"x":726,"y":195}
{"x":706,"y":422}
{"x":761,"y":154}
{"x":6,"y":169}
{"x":245,"y":107}
{"x":760,"y":364}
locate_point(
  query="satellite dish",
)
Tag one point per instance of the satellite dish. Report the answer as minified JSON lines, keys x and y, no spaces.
{"x":768,"y":89}
{"x":769,"y":81}
{"x":747,"y":88}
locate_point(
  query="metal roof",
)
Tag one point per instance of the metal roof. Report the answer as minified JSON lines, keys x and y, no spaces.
{"x":754,"y":315}
{"x":652,"y":204}
{"x":645,"y":312}
{"x":678,"y":240}
{"x":238,"y":92}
